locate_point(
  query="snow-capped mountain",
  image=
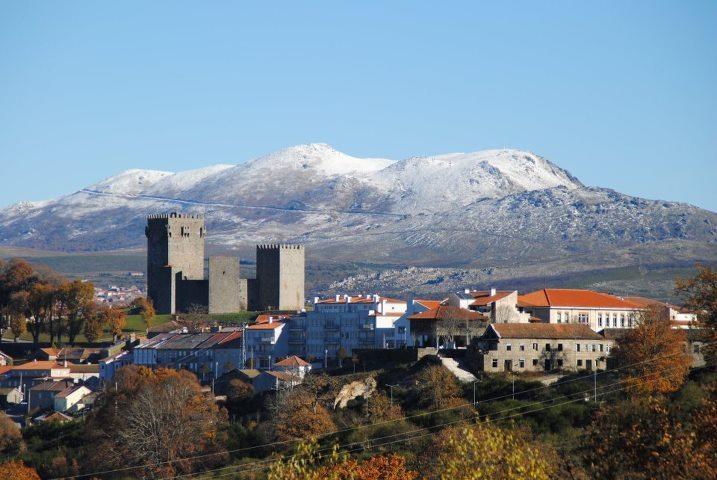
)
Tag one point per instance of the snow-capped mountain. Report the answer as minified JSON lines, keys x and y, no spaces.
{"x":482,"y":208}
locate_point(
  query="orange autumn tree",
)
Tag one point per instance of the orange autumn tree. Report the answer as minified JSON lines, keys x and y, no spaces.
{"x":309,"y":463}
{"x":16,"y":470}
{"x":700,"y":294}
{"x":652,"y":355}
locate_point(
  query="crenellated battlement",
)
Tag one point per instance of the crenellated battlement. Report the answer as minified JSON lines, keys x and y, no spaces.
{"x":165,"y":216}
{"x":279,"y":246}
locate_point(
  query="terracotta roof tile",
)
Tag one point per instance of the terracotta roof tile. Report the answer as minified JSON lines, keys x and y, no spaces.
{"x":559,"y":297}
{"x":545,"y":330}
{"x":293,"y":361}
{"x":445,"y":312}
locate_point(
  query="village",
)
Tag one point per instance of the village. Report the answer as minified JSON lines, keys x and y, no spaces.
{"x":261,"y":336}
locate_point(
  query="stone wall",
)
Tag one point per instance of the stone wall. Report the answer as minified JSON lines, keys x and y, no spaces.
{"x":227,"y":291}
{"x":280,"y":276}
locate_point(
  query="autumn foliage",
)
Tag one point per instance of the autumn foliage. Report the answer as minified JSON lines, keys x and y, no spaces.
{"x":17,"y":470}
{"x":652,"y":355}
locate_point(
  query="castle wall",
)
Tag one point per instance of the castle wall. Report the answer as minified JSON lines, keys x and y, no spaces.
{"x":191,"y":294}
{"x":280,"y":277}
{"x":227,"y":291}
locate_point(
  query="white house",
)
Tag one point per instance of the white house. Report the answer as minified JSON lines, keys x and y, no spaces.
{"x":70,"y":397}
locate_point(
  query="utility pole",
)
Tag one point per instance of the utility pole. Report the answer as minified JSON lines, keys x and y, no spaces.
{"x":474,"y":392}
{"x":514,"y":389}
{"x":390,"y":388}
{"x":243,"y":346}
{"x":595,"y":385}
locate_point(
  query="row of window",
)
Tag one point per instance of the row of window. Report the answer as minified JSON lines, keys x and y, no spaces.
{"x":630,"y":320}
{"x":521,"y":362}
{"x":595,"y":347}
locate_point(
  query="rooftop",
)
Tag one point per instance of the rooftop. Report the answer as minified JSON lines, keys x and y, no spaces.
{"x":566,"y":331}
{"x":448,"y":312}
{"x":564,"y":297}
{"x":293,"y":361}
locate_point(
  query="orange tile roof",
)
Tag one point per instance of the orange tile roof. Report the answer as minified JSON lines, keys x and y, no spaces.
{"x":445,"y":312}
{"x":5,"y":368}
{"x":265,"y":326}
{"x":567,"y":331}
{"x":564,"y":297}
{"x":484,"y":298}
{"x":293,"y":361}
{"x":428,"y":303}
{"x":264,"y":318}
{"x":39,"y":365}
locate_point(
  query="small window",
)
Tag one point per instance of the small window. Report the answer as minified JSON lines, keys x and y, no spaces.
{"x":547,"y":347}
{"x":622,"y":320}
{"x":535,"y":347}
{"x":560,"y":317}
{"x":560,"y":363}
{"x":508,"y":347}
{"x":522,"y":347}
{"x":577,"y":347}
{"x":580,"y":363}
{"x":560,"y":347}
{"x":521,"y":363}
{"x":535,"y":362}
{"x":601,"y":347}
{"x":495,"y":363}
{"x":696,"y":348}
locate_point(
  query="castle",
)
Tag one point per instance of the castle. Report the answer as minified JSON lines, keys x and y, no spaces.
{"x":175,"y":271}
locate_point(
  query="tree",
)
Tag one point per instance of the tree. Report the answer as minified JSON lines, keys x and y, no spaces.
{"x":309,"y":464}
{"x":41,"y":306}
{"x":16,"y":470}
{"x":700,"y":294}
{"x":16,"y":276}
{"x":239,"y":391}
{"x":299,"y":415}
{"x":437,"y":387}
{"x":18,"y":313}
{"x":10,"y":437}
{"x":144,"y":307}
{"x":640,"y":439}
{"x":159,"y":421}
{"x":77,"y":299}
{"x":484,"y":451}
{"x":652,"y":354}
{"x":95,"y":323}
{"x":194,"y":319}
{"x":116,"y":320}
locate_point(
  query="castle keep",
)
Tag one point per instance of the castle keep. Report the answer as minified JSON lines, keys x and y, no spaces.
{"x":176,"y":280}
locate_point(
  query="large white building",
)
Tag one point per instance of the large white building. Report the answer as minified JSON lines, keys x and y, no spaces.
{"x":347,"y":322}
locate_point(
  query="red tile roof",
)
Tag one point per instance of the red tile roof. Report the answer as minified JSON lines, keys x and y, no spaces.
{"x":40,"y":365}
{"x":265,"y":326}
{"x":265,"y":317}
{"x":446,"y":312}
{"x":485,"y":298}
{"x":559,"y":297}
{"x":292,"y":361}
{"x":428,"y":303}
{"x":567,"y":331}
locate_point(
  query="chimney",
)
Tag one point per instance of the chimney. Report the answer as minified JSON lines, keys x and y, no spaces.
{"x":338,"y":297}
{"x":375,"y":297}
{"x":316,"y":300}
{"x":271,"y":319}
{"x":467,"y":290}
{"x":492,"y":292}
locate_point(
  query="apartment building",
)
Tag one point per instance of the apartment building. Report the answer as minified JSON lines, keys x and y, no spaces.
{"x":267,"y":340}
{"x":347,"y":322}
{"x":541,"y":347}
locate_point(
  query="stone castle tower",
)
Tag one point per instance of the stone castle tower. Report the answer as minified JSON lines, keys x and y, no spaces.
{"x":175,"y":252}
{"x":176,"y":280}
{"x":280,"y":276}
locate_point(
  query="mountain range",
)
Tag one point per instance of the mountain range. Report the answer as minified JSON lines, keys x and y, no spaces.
{"x":488,"y":211}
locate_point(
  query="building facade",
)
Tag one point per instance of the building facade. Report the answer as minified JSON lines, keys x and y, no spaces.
{"x":541,"y":347}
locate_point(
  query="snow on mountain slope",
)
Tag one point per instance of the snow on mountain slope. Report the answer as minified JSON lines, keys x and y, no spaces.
{"x":493,"y":205}
{"x":130,"y":182}
{"x":443,"y":182}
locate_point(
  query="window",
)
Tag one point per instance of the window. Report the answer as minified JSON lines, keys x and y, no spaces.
{"x":535,"y":347}
{"x":560,"y":363}
{"x":614,"y":319}
{"x":580,"y":363}
{"x":560,"y":317}
{"x":535,"y":362}
{"x":522,"y":347}
{"x":583,"y":318}
{"x":630,"y":320}
{"x":601,"y":347}
{"x":547,"y":347}
{"x":599,"y":319}
{"x":696,"y":348}
{"x":594,"y":348}
{"x":508,"y":347}
{"x":560,"y":347}
{"x":495,"y":363}
{"x":521,"y":363}
{"x":622,"y":320}
{"x":577,"y":347}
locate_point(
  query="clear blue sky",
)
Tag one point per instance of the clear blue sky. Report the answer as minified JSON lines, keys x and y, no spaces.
{"x":623,"y":93}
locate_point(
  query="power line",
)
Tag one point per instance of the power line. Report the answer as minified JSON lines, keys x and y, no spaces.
{"x":260,"y":465}
{"x":360,"y":427}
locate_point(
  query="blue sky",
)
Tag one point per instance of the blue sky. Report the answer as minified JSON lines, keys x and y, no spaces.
{"x":622,"y":94}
